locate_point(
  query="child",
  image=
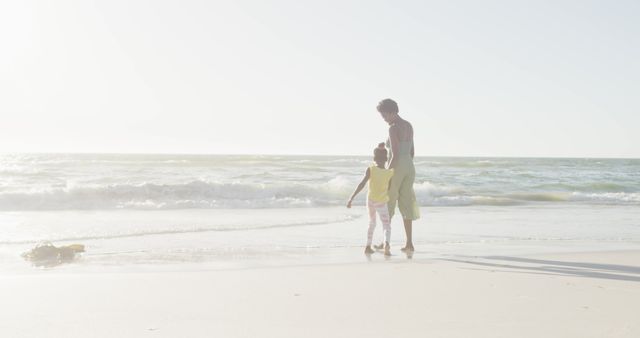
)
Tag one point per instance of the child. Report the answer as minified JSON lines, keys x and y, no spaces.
{"x":377,"y":198}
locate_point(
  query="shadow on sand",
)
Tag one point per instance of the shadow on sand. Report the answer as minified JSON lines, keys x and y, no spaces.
{"x":554,"y":267}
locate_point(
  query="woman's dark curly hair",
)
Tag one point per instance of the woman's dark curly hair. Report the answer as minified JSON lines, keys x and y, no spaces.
{"x":388,"y":106}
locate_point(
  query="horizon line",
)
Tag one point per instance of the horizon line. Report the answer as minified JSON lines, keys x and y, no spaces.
{"x":313,"y":155}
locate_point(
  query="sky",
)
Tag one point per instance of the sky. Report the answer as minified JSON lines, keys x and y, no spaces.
{"x":475,"y":78}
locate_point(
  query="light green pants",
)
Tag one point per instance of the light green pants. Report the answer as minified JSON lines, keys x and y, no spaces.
{"x":401,"y":191}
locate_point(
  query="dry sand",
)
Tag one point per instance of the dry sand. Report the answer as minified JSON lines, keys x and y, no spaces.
{"x":566,"y":295}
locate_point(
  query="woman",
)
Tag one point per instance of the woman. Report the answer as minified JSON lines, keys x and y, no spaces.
{"x":402,"y":150}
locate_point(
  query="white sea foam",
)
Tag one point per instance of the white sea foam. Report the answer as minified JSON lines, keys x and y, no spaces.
{"x":611,"y":197}
{"x":74,"y":232}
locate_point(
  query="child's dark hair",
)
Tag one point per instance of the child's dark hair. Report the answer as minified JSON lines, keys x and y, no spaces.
{"x":380,"y":153}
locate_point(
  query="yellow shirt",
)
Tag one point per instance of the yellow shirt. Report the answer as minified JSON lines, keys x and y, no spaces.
{"x":379,"y":183}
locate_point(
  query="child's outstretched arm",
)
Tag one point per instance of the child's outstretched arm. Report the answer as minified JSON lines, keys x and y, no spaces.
{"x":359,"y":188}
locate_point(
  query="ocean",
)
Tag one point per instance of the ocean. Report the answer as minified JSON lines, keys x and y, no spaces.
{"x":156,"y":210}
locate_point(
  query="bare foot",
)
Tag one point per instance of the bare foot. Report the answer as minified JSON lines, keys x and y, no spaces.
{"x":408,"y":248}
{"x":387,"y":249}
{"x":368,"y":250}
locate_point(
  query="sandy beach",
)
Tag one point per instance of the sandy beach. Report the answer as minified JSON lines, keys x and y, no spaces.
{"x":561,"y":295}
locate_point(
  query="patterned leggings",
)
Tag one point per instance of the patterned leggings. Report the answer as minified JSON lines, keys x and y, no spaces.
{"x":382,"y":210}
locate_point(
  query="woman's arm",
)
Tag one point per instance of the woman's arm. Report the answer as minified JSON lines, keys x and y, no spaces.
{"x":394,"y":140}
{"x":413,"y":148}
{"x":360,"y":187}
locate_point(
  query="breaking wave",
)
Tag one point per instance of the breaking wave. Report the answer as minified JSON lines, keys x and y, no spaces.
{"x":214,"y":195}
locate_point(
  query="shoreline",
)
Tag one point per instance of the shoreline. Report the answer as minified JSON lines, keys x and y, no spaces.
{"x":283,"y":258}
{"x":355,"y":259}
{"x":334,"y":234}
